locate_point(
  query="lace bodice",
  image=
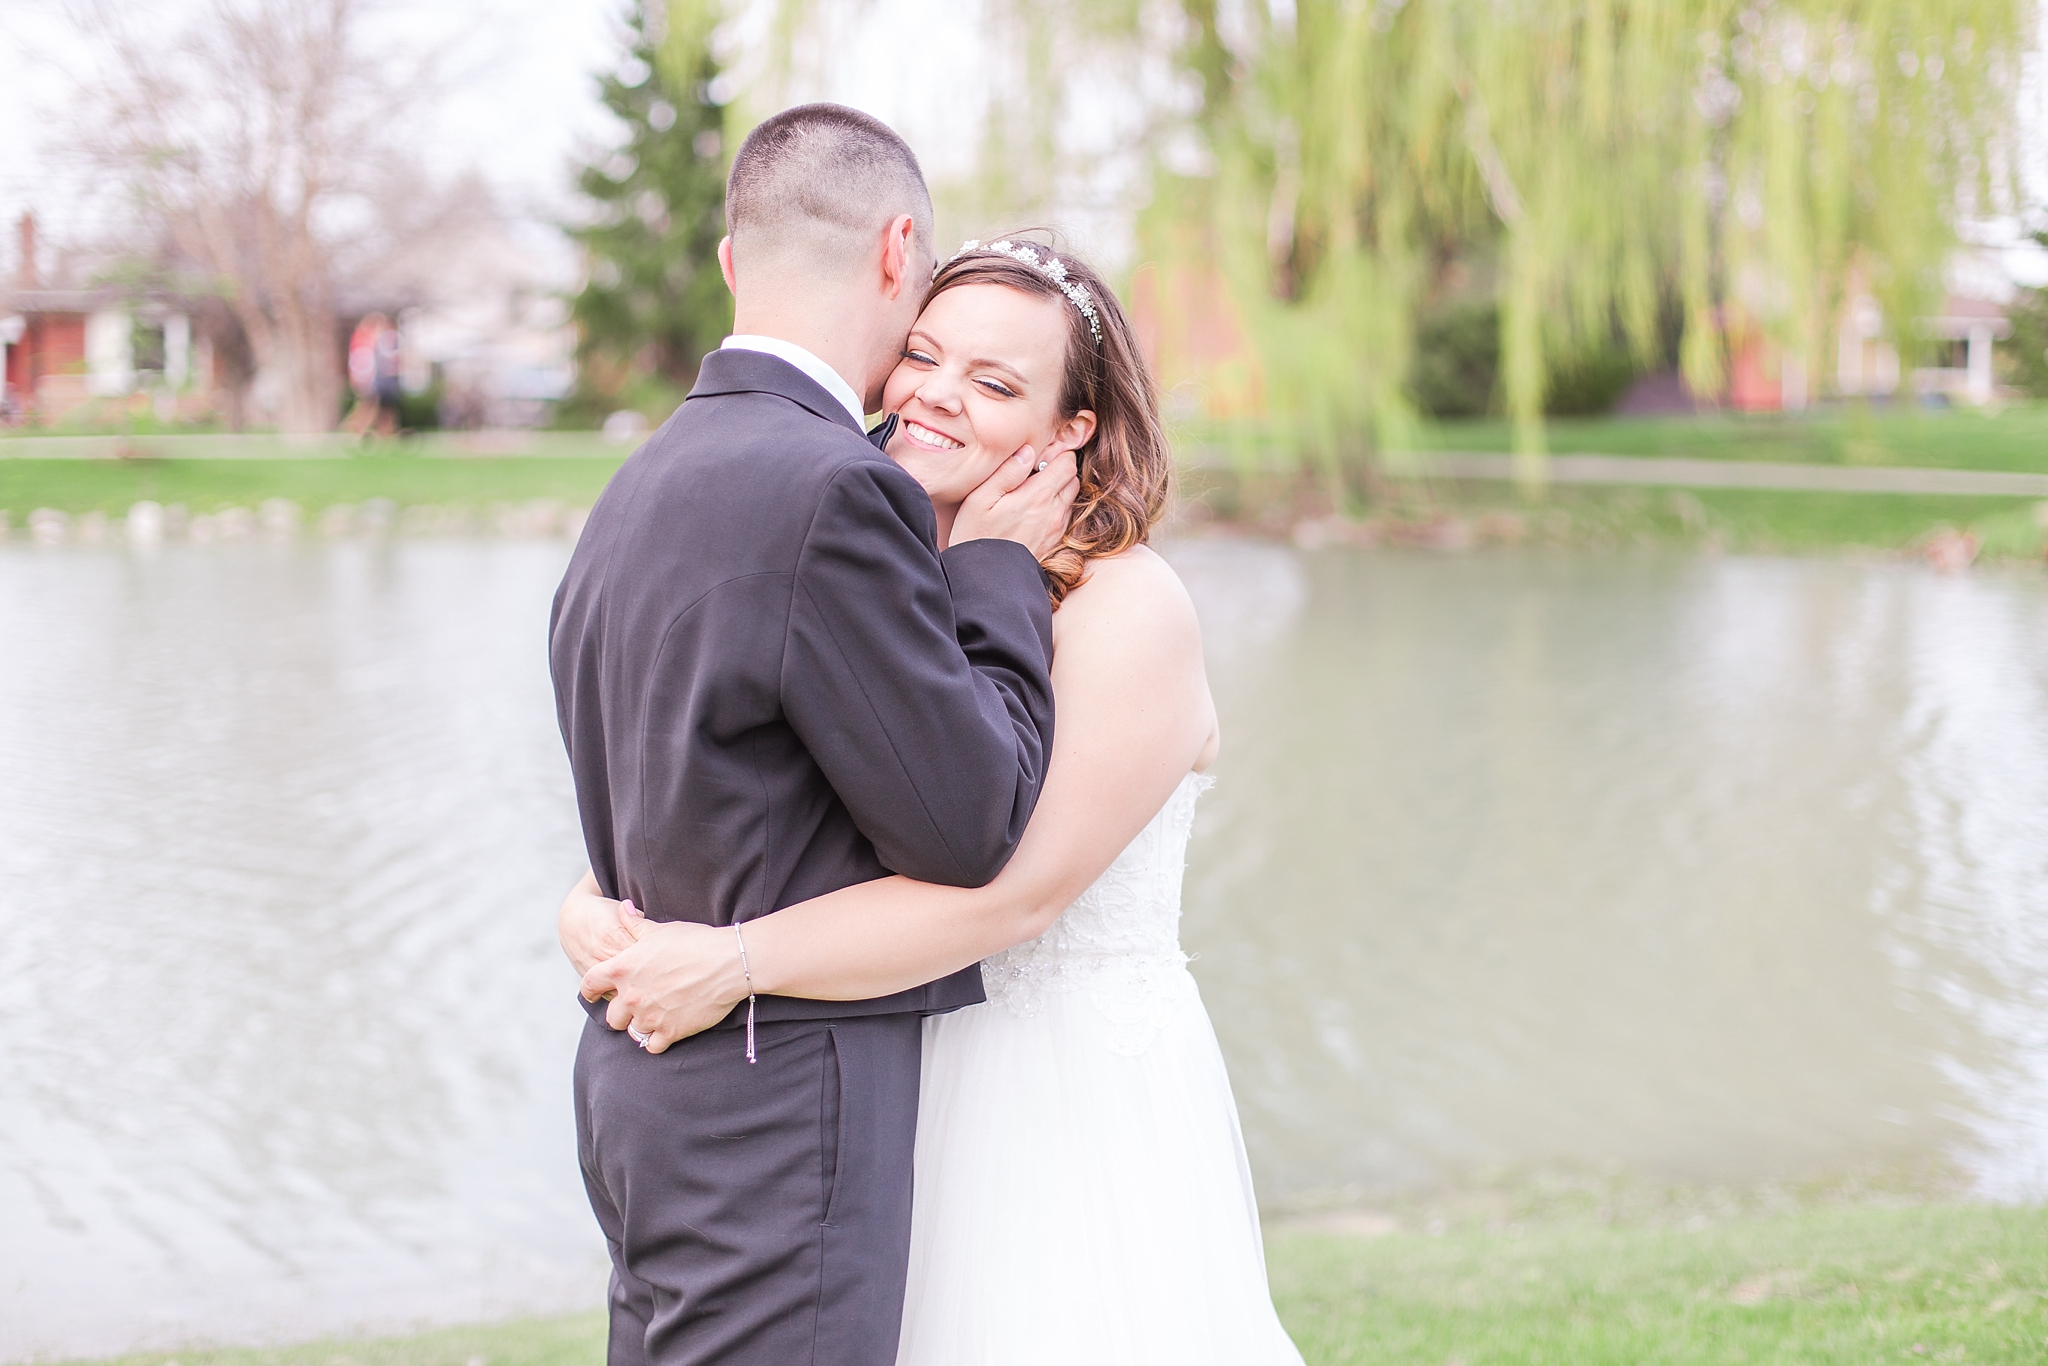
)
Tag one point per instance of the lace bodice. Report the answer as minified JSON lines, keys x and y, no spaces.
{"x":1120,"y":940}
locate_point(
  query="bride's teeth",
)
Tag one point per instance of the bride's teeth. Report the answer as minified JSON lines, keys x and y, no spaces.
{"x":925,"y":436}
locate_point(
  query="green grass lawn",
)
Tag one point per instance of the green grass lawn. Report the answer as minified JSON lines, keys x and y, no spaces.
{"x":1942,"y":1283}
{"x":1842,"y":1285}
{"x":2014,"y":438}
{"x":574,"y":1340}
{"x":111,"y":486}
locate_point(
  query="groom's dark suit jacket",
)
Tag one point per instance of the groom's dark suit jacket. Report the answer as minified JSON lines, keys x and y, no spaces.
{"x":771,"y":683}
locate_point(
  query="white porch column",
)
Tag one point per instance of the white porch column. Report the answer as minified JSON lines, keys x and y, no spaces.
{"x":1977,"y":378}
{"x":1792,"y":382}
{"x":109,"y":353}
{"x":12,"y":327}
{"x":177,"y":350}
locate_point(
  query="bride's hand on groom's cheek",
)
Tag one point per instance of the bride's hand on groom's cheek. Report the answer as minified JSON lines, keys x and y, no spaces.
{"x":679,"y":979}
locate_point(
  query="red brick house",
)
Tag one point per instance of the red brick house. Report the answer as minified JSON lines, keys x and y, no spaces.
{"x":67,"y":348}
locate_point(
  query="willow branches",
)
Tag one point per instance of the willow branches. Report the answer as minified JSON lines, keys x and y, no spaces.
{"x":1607,"y":163}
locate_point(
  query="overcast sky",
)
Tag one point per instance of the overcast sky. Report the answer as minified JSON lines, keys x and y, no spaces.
{"x":523,"y":101}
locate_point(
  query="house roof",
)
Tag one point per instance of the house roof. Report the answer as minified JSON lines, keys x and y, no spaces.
{"x":1961,"y":306}
{"x":1960,"y":315}
{"x":48,"y":301}
{"x":31,"y":301}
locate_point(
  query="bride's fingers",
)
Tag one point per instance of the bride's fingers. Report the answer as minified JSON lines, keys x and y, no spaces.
{"x":619,"y":1013}
{"x":600,"y":981}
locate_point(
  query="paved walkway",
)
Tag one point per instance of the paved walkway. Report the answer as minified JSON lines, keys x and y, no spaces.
{"x":1743,"y":474}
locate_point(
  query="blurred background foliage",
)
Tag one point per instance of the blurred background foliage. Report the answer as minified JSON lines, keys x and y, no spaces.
{"x":1587,"y":167}
{"x":1347,"y":216}
{"x":2028,"y":354}
{"x":653,"y":300}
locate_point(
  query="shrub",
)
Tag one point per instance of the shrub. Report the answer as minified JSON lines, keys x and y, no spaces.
{"x":1456,"y":372}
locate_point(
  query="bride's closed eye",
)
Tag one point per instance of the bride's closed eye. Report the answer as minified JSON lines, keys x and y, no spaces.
{"x":912,"y":354}
{"x":997,"y":387}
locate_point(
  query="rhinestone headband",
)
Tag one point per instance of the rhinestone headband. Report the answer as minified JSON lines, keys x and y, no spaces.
{"x":1051,"y":267}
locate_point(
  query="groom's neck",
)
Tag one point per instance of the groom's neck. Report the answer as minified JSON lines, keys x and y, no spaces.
{"x":835,"y":330}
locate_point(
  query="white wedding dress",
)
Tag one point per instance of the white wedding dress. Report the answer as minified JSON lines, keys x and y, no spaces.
{"x":1082,"y":1194}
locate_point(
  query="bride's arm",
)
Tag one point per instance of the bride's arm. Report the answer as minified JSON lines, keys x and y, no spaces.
{"x":1133,"y":716}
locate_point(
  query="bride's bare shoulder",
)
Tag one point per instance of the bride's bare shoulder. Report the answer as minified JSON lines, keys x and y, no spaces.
{"x":1136,"y":587}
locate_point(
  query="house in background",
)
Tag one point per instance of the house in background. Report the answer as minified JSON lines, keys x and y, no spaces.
{"x":1963,"y":335}
{"x":479,"y":296}
{"x":70,"y":347}
{"x":492,"y":328}
{"x":1959,"y":344}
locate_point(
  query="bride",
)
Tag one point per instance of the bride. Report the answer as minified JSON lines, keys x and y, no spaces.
{"x":1082,"y":1194}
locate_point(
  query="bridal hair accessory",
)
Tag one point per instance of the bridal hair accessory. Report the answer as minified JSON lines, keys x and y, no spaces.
{"x":1051,"y":267}
{"x":748,"y":973}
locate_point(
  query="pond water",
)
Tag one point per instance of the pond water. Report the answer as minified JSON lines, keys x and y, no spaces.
{"x":1728,"y":870}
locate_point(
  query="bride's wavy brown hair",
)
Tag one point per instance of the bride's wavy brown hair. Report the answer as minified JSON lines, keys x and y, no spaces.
{"x":1126,"y":468}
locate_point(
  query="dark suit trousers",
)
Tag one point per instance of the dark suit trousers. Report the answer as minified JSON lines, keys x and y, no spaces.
{"x":757,"y":1215}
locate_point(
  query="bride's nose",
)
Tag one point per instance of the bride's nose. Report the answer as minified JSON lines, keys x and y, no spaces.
{"x":940,"y":394}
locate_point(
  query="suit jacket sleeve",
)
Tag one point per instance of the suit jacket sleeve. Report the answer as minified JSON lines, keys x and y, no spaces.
{"x":921,"y":686}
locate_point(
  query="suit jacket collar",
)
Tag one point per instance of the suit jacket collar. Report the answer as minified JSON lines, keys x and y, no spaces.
{"x":756,"y":372}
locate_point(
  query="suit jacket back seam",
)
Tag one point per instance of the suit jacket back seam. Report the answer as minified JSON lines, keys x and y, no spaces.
{"x":646,"y":821}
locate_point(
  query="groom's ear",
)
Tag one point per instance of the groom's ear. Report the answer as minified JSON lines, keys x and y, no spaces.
{"x":725,"y":265}
{"x":899,"y":255}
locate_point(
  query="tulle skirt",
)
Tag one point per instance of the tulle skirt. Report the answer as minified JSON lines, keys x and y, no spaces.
{"x":1082,"y":1193}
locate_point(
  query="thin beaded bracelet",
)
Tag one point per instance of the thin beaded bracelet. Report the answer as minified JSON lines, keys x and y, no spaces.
{"x":748,"y":973}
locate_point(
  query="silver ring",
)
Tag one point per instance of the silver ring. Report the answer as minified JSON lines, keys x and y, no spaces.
{"x":637,"y":1037}
{"x":1043,"y":463}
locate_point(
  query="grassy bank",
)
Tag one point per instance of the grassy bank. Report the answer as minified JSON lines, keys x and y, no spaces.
{"x":1451,"y":515}
{"x":1440,"y":513}
{"x":1242,"y":490}
{"x":1842,"y":1285}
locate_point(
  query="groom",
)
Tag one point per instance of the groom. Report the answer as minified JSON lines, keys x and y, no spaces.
{"x":772,"y":685}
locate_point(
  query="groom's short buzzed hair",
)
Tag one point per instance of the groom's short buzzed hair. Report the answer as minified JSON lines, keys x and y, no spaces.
{"x":821,"y":181}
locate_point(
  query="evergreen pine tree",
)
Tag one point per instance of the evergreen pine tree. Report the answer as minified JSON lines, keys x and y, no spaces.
{"x":654,"y":300}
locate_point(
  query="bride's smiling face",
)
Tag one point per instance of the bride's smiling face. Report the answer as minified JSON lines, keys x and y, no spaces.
{"x":981,"y":375}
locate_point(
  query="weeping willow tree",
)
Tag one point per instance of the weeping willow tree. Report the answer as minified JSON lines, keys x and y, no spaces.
{"x":1053,"y":109}
{"x":1314,"y":172}
{"x":1741,"y":165}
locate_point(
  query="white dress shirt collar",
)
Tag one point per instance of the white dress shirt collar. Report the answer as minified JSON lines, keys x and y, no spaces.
{"x":833,"y":383}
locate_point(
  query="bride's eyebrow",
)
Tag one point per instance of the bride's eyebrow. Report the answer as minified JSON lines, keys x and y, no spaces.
{"x":1012,"y":371}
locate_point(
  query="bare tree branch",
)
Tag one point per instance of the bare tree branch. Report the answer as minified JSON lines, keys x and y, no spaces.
{"x":264,"y":138}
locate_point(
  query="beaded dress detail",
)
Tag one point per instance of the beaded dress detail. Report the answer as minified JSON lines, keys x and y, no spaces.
{"x":1120,"y":940}
{"x":1082,"y":1193}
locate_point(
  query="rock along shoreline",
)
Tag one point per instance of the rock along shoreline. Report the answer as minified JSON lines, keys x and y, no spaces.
{"x":149,"y":523}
